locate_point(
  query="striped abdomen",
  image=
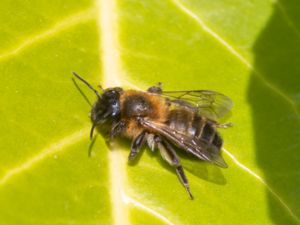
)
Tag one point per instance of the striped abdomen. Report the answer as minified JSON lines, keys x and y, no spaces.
{"x":195,"y":126}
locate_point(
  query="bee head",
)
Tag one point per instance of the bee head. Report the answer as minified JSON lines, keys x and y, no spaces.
{"x":107,"y":107}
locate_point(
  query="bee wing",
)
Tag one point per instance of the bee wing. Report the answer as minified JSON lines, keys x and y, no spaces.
{"x":193,"y":145}
{"x":210,"y":104}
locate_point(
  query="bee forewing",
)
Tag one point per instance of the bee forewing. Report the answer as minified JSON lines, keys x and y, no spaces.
{"x":218,"y":160}
{"x":208,"y":103}
{"x":196,"y":147}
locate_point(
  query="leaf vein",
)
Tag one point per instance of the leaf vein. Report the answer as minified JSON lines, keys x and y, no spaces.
{"x":261,"y":180}
{"x":112,"y":70}
{"x":66,"y":23}
{"x":129,"y":200}
{"x":46,"y":152}
{"x":287,"y":18}
{"x":234,"y":52}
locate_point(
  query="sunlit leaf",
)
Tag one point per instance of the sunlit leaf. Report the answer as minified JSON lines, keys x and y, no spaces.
{"x":50,"y":173}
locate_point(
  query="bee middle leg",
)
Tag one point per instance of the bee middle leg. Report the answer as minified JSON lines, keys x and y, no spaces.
{"x":136,"y":145}
{"x":168,"y":154}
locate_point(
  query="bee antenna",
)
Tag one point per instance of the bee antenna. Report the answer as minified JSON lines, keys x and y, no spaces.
{"x":90,"y":86}
{"x":92,"y":130}
{"x":99,"y":86}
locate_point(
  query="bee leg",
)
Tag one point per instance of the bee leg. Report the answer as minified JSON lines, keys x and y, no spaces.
{"x":157,"y":89}
{"x":168,"y":154}
{"x":224,"y":125}
{"x":151,"y":142}
{"x":117,"y":129}
{"x":136,"y":145}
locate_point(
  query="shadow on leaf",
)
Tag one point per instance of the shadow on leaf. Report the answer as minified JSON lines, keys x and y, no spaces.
{"x":275,"y":106}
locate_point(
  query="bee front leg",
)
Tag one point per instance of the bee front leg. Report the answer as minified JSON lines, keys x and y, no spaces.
{"x":117,"y":129}
{"x":168,"y":153}
{"x":136,"y":145}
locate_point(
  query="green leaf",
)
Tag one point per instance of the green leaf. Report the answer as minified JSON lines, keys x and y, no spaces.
{"x":246,"y":50}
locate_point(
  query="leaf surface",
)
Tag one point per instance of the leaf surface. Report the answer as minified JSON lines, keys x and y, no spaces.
{"x":246,"y":50}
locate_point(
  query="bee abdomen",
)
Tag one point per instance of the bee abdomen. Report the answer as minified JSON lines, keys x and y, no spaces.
{"x":180,"y":120}
{"x":205,"y":130}
{"x":195,"y":126}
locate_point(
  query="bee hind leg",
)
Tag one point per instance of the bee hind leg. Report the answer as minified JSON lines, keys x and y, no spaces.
{"x":136,"y":145}
{"x":168,"y":154}
{"x":224,"y":125}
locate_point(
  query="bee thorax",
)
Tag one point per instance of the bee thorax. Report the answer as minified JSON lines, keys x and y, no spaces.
{"x":137,"y":106}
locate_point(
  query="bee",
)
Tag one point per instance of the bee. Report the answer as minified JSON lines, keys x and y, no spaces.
{"x":164,"y":120}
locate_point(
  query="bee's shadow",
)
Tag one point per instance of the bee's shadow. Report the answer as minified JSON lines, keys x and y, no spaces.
{"x":198,"y":168}
{"x":203,"y":170}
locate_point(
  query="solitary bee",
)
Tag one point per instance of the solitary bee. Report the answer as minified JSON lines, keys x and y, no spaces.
{"x":163,"y":120}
